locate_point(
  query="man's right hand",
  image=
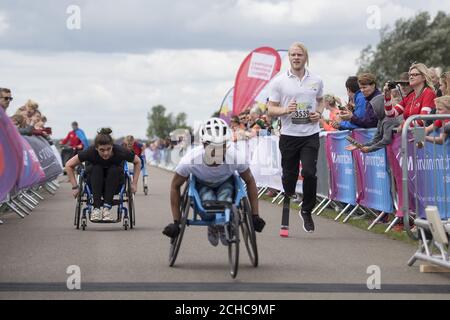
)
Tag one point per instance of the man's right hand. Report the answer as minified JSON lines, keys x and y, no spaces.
{"x":75,"y":192}
{"x":292,"y":107}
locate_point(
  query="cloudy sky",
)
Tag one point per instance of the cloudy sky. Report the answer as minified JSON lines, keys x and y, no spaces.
{"x":128,"y":56}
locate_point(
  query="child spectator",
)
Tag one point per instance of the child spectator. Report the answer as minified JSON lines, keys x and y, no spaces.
{"x":442,"y":107}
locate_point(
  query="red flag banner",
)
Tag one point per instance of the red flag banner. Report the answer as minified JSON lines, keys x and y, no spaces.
{"x":258,"y":68}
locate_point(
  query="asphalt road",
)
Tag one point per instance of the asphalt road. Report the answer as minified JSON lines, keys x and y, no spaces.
{"x":35,"y":253}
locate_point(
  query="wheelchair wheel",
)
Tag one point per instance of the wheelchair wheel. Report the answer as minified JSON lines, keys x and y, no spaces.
{"x":145,"y":186}
{"x":175,"y":243}
{"x":248,"y":232}
{"x":131,"y":212}
{"x":79,"y":203}
{"x":233,"y":245}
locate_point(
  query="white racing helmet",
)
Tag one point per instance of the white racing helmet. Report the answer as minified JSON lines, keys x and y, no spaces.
{"x":214,"y":131}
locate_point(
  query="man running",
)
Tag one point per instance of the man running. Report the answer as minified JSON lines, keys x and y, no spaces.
{"x":296,"y":96}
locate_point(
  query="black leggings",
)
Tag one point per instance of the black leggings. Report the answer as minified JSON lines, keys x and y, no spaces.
{"x":105,"y":182}
{"x":293,"y":150}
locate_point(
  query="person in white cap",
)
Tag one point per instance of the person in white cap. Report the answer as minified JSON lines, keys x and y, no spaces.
{"x":213,"y":165}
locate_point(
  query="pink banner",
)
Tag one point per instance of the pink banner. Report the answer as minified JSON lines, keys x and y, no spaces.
{"x":258,"y":68}
{"x":11,"y":155}
{"x":32,"y":172}
{"x":394,"y":157}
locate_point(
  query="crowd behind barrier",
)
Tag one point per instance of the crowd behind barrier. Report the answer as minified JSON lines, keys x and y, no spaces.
{"x":28,"y":164}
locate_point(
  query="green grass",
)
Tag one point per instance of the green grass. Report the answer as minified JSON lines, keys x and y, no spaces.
{"x":361,"y":224}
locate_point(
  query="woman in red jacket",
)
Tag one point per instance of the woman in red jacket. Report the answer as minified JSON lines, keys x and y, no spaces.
{"x":421,"y":101}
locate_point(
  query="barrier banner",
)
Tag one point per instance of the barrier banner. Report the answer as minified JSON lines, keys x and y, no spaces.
{"x":393,"y":152}
{"x":372,"y":176}
{"x":57,"y":155}
{"x":265,"y":162}
{"x":323,"y":173}
{"x":49,"y":163}
{"x":342,"y":173}
{"x":431,"y":174}
{"x":32,"y":172}
{"x":11,"y":155}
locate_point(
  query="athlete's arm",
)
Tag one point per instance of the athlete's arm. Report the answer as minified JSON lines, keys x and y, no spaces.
{"x":251,"y":190}
{"x":136,"y":173}
{"x":70,"y":168}
{"x":276,"y":110}
{"x":175,"y":195}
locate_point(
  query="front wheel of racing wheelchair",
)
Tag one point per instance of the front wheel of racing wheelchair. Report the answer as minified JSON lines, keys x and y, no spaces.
{"x":248,"y":231}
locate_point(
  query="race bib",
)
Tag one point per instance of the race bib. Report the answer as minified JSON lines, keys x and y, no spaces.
{"x":301,"y":116}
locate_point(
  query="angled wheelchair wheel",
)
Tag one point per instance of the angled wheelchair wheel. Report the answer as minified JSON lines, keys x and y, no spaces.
{"x":248,"y":231}
{"x":144,"y":185}
{"x":130,"y":200}
{"x":233,"y":244}
{"x":79,"y":203}
{"x":175,"y":243}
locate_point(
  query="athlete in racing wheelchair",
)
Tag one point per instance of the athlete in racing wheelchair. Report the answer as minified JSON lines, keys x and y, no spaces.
{"x":105,"y":172}
{"x":213,"y":166}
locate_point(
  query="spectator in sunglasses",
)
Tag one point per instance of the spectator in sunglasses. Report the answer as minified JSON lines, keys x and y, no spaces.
{"x":5,"y":98}
{"x":420,"y":102}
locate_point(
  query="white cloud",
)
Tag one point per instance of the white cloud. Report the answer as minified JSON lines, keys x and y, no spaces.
{"x":4,"y":25}
{"x":296,"y":12}
{"x":118,"y":90}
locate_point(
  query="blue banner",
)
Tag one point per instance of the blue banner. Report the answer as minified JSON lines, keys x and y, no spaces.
{"x":373,"y":178}
{"x":432,"y":171}
{"x":340,"y":161}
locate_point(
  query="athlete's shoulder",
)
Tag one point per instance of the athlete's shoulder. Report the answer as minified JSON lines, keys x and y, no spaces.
{"x":192,"y":154}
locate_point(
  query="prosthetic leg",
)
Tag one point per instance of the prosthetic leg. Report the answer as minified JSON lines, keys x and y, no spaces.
{"x":284,"y":231}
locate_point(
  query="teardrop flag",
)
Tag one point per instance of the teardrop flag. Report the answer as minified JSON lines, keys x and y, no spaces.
{"x":257,"y":69}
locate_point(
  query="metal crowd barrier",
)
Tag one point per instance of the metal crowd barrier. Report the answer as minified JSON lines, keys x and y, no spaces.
{"x":23,"y":202}
{"x":430,"y":207}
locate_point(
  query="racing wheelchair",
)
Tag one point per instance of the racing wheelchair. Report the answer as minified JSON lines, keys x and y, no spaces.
{"x":124,"y":200}
{"x":232,"y":216}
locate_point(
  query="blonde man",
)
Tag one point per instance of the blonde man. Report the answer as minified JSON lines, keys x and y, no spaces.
{"x":296,"y":96}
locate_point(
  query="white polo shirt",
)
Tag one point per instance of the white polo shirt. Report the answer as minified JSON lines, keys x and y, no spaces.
{"x":286,"y":87}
